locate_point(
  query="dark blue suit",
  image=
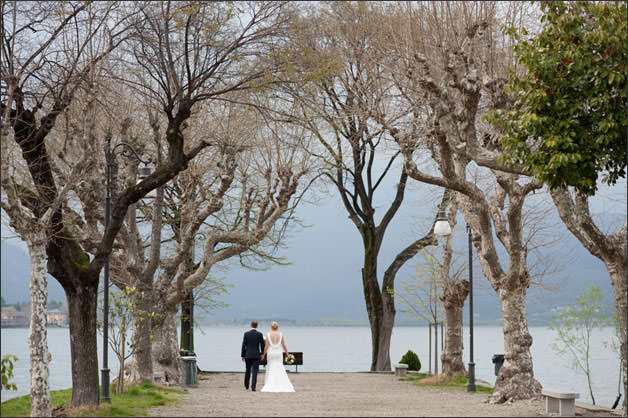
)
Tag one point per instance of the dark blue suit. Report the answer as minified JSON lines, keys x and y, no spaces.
{"x":252,"y":349}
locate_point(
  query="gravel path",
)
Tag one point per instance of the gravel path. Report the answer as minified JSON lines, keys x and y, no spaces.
{"x":341,"y":394}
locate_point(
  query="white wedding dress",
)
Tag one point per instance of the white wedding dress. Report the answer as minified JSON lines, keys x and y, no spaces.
{"x":276,"y":379}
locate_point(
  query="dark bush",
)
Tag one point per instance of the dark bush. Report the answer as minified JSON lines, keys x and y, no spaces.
{"x":412,"y":360}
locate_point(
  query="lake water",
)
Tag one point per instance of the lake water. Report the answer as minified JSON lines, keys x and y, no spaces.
{"x":345,"y":349}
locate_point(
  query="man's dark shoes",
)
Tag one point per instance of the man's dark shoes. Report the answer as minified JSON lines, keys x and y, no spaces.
{"x":253,"y":390}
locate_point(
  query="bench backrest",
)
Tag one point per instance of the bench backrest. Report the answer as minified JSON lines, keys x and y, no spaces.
{"x":298,"y":359}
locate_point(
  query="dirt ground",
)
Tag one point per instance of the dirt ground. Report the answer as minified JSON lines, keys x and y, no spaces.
{"x":341,"y":394}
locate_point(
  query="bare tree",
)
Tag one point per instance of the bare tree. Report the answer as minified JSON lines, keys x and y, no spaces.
{"x":490,"y":62}
{"x":180,"y":56}
{"x":337,"y":105}
{"x":267,"y":178}
{"x":249,"y":171}
{"x":44,"y":61}
{"x":446,"y":79}
{"x":208,"y":52}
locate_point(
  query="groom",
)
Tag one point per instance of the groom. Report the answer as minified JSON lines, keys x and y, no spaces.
{"x":252,"y":348}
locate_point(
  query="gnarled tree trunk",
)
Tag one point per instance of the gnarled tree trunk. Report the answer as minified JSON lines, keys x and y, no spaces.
{"x":515,"y":380}
{"x":453,"y":297}
{"x":37,"y":337}
{"x":166,"y":350}
{"x":142,"y":366}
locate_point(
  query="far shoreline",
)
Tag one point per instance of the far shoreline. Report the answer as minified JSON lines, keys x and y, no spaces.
{"x":304,"y":325}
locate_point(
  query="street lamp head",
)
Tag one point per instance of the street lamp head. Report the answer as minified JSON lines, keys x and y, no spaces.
{"x":144,"y":172}
{"x":442,"y":226}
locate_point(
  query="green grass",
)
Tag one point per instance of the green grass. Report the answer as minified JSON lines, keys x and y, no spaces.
{"x":458,"y":382}
{"x":134,"y":402}
{"x":414,"y":379}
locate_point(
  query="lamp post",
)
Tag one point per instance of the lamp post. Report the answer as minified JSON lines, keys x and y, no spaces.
{"x":471,"y":384}
{"x":125,"y":150}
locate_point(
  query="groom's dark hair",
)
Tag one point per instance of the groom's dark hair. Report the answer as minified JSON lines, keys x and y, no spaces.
{"x":253,"y":324}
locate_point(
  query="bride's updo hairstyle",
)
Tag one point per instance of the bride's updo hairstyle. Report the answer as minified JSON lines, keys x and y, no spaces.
{"x":274,"y":325}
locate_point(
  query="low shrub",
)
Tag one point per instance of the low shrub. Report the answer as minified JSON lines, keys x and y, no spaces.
{"x":412,"y":360}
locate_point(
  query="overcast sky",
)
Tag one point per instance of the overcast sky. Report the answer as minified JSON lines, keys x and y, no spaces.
{"x":324,"y":279}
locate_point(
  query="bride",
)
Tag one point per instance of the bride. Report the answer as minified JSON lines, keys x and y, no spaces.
{"x":276,"y":379}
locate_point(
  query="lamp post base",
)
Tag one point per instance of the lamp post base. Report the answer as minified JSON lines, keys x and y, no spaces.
{"x":104,"y":378}
{"x":471,"y":385}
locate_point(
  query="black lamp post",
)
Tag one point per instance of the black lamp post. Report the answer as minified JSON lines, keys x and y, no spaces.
{"x":471,"y":384}
{"x":126,"y":150}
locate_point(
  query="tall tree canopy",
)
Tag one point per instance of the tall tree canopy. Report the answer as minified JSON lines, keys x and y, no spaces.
{"x":568,"y":125}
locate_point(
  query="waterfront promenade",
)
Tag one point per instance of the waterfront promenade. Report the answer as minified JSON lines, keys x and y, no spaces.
{"x":342,"y":394}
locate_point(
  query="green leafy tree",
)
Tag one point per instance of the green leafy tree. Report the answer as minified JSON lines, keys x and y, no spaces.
{"x":7,"y":372}
{"x":575,"y":325}
{"x":568,"y":124}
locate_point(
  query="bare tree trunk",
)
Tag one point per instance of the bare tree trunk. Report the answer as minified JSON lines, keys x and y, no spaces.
{"x":385,"y":334}
{"x":82,"y":302}
{"x":619,"y":274}
{"x":454,"y":295}
{"x":381,"y":316}
{"x":165,"y":349}
{"x":37,"y":337}
{"x":142,"y":368}
{"x":516,"y":377}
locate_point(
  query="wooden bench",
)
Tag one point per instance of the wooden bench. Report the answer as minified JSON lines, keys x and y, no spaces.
{"x":400,"y":369}
{"x":562,"y":403}
{"x":298,"y":360}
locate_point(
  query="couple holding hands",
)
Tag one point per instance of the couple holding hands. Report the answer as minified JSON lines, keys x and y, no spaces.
{"x":256,"y":347}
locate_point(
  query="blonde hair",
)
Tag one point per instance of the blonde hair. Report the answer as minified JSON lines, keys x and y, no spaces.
{"x":274,"y":325}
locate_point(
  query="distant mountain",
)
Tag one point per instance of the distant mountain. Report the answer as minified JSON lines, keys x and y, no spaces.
{"x":332,"y":289}
{"x":15,"y":276}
